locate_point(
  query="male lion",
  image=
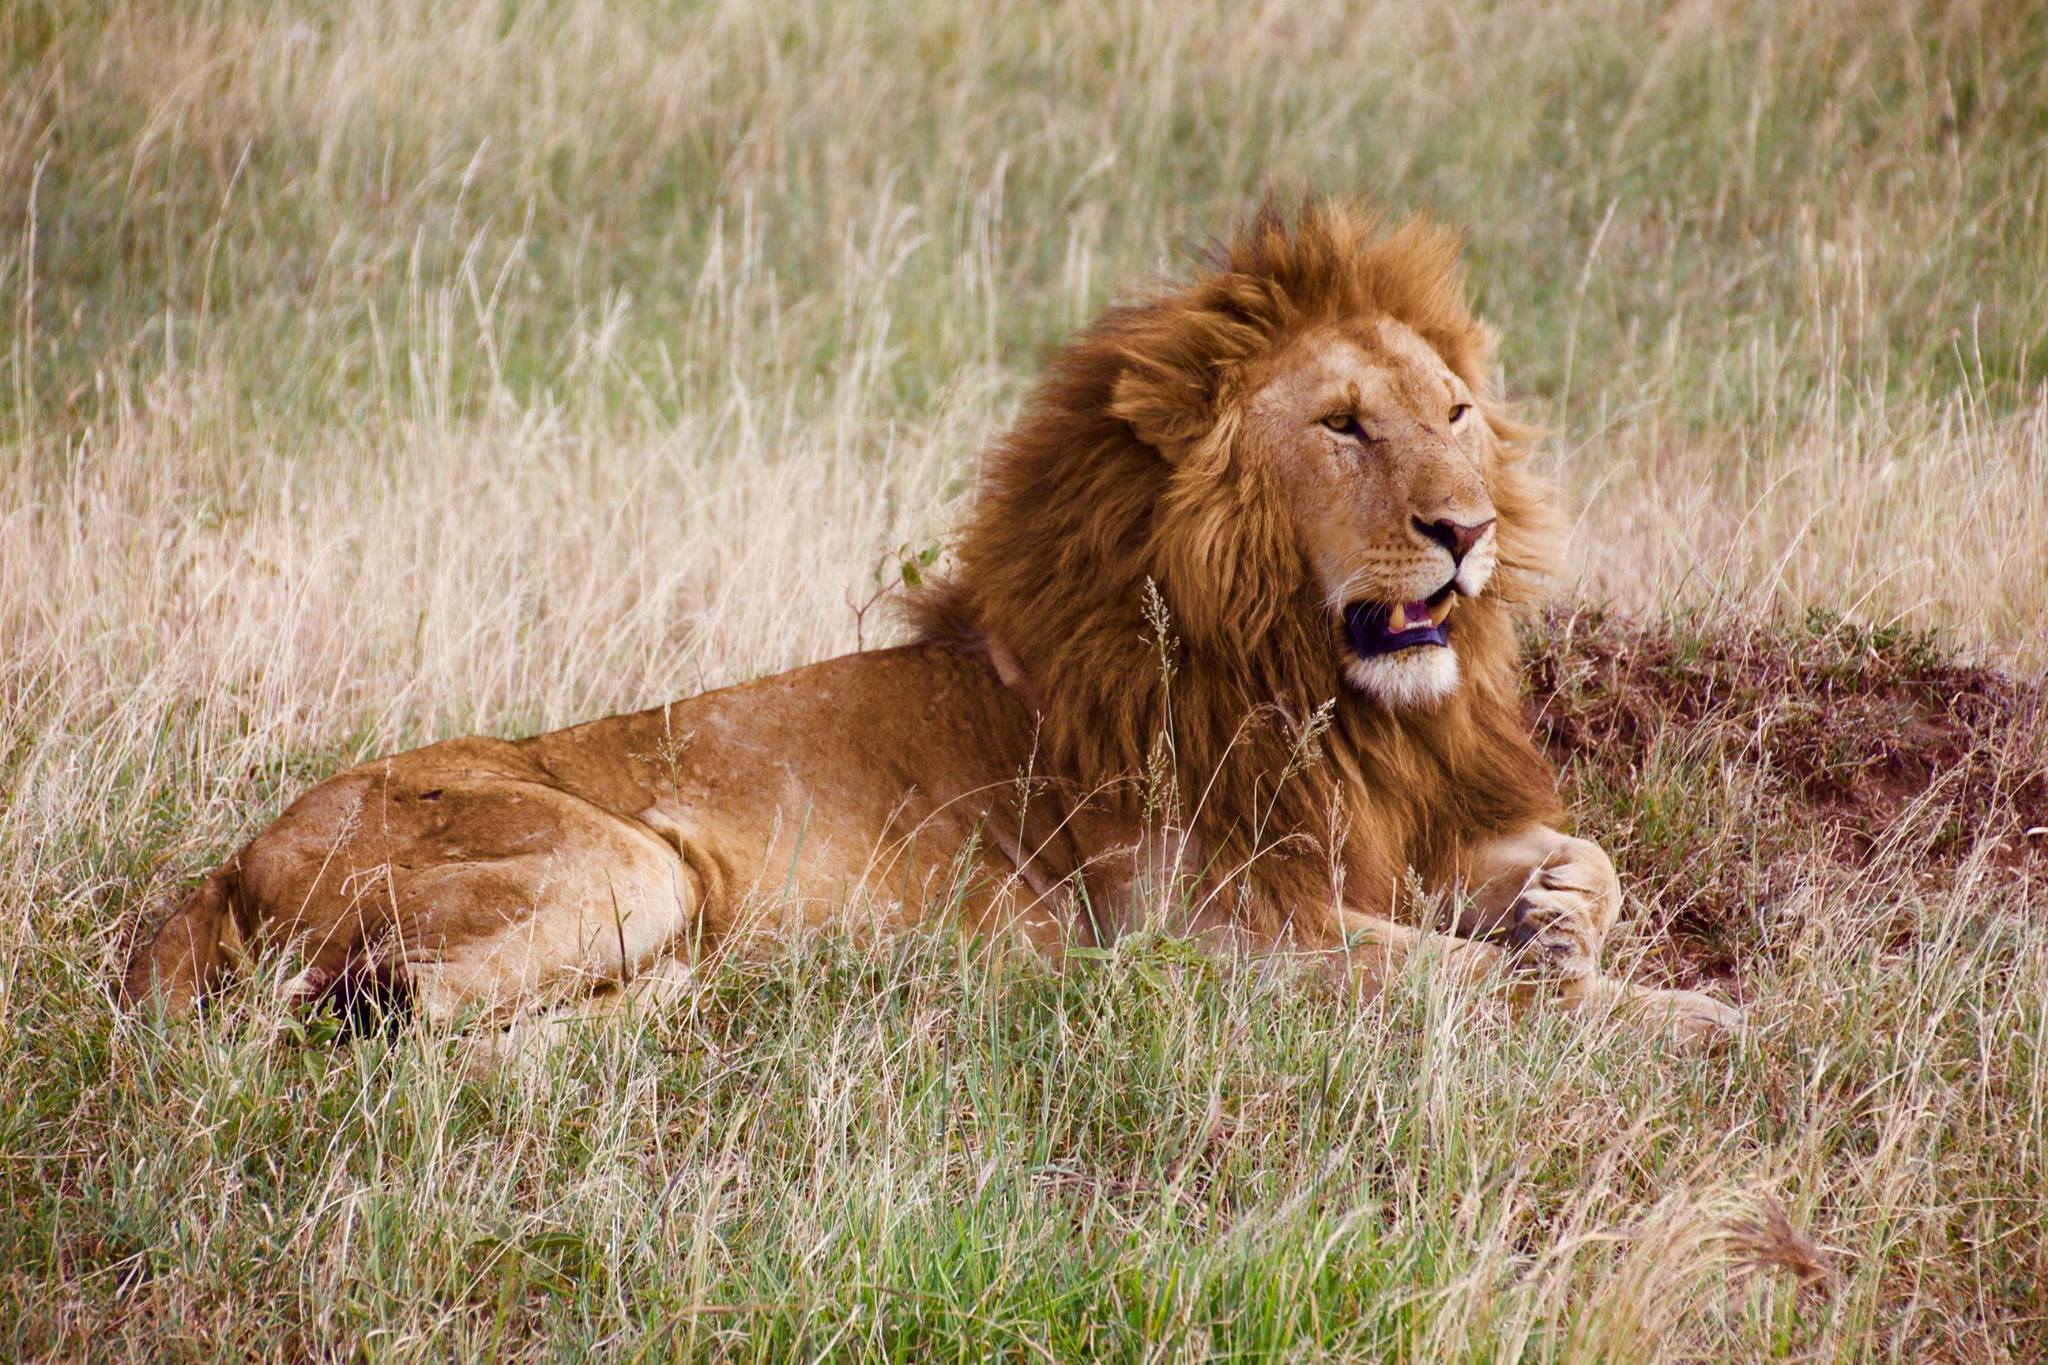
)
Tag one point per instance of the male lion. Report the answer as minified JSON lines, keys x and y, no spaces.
{"x":1256,"y":540}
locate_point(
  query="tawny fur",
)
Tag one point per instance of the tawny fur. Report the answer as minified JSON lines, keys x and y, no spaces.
{"x":492,"y":876}
{"x":1123,"y":471}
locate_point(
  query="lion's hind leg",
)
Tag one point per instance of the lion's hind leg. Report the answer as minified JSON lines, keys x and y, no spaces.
{"x":578,"y":902}
{"x":457,"y":884}
{"x":525,"y":1044}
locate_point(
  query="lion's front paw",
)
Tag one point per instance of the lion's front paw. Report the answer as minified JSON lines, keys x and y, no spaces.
{"x":1689,"y":1018}
{"x":1692,"y":1016}
{"x":1548,"y":900}
{"x":1556,"y":927}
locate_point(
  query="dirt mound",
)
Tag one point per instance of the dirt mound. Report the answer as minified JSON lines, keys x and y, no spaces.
{"x":1724,"y":759}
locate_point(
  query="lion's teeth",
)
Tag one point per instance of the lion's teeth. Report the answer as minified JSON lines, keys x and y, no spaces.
{"x":1398,"y":621}
{"x":1443,"y":612}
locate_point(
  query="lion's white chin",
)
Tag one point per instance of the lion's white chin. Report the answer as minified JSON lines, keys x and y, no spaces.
{"x":1413,"y":679}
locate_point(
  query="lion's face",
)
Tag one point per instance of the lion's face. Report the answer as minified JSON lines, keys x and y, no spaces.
{"x":1382,"y":453}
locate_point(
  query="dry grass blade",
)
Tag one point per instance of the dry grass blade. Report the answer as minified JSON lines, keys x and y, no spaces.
{"x":1769,"y":1244}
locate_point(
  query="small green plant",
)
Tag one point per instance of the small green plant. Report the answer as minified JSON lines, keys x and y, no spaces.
{"x":901,"y":566}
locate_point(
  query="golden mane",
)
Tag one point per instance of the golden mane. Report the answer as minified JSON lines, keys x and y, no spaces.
{"x":1130,"y":573}
{"x":1122,"y":472}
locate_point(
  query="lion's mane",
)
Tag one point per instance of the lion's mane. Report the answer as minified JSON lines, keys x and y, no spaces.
{"x":1123,"y":471}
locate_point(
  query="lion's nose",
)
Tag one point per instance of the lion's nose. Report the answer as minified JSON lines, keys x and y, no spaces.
{"x":1456,"y":536}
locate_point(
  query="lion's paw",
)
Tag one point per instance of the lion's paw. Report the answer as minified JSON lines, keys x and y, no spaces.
{"x":1689,"y":1018}
{"x":1554,"y":930}
{"x":1693,"y":1017}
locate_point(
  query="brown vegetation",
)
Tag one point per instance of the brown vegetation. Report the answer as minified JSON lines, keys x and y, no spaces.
{"x":1807,"y":748}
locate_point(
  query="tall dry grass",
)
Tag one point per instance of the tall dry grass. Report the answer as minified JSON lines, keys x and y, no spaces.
{"x":384,"y":369}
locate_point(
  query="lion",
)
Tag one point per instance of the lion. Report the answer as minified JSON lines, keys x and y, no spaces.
{"x":1227,"y":643}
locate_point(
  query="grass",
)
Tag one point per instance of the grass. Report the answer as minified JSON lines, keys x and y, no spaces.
{"x":384,"y":369}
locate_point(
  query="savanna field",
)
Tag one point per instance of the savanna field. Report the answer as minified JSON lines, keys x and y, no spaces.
{"x":381,"y":370}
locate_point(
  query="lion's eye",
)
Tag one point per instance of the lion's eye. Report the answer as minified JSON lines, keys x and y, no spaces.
{"x":1340,"y":422}
{"x":1458,"y":411}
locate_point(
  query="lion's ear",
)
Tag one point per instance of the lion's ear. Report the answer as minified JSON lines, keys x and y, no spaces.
{"x":1175,"y":364}
{"x":1168,"y":407}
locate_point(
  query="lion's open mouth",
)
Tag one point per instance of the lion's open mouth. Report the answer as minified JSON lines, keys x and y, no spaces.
{"x":1376,"y":628}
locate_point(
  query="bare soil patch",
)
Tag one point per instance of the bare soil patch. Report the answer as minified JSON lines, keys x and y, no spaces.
{"x":1734,"y":763}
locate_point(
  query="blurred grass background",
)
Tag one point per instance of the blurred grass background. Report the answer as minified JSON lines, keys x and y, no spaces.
{"x":1757,"y":263}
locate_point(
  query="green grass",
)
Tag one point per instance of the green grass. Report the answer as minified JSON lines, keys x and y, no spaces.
{"x":920,"y":1153}
{"x":1683,"y":197}
{"x":378,"y":370}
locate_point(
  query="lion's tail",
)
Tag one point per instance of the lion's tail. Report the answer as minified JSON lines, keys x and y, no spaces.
{"x":189,"y":953}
